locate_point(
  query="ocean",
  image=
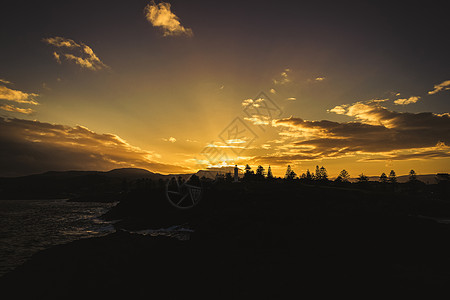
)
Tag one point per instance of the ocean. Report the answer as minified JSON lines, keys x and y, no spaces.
{"x":28,"y":226}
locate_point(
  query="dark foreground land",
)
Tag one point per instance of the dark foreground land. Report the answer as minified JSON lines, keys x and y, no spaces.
{"x":266,"y":240}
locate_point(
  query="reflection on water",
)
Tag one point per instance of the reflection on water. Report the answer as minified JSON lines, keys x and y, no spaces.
{"x":27,"y":226}
{"x":177,"y":231}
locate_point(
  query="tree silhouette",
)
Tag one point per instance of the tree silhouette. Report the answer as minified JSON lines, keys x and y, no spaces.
{"x":308,"y":175}
{"x":383,"y":178}
{"x":317,"y":176}
{"x":249,"y":174}
{"x":412,"y":175}
{"x":290,"y":174}
{"x":343,"y":176}
{"x":269,"y":174}
{"x":363,"y":178}
{"x":392,"y":177}
{"x":260,"y":173}
{"x":323,"y":173}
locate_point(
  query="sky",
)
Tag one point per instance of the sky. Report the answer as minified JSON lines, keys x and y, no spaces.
{"x":178,"y":86}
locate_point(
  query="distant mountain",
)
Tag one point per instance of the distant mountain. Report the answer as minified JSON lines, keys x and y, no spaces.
{"x":125,"y":173}
{"x":133,"y":173}
{"x":70,"y":184}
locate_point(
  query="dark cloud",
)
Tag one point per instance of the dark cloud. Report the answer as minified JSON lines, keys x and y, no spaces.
{"x":379,"y":131}
{"x":281,"y":158}
{"x":420,"y":154}
{"x":30,"y":147}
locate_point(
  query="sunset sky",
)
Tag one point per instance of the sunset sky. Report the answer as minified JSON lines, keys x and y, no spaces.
{"x":178,"y":86}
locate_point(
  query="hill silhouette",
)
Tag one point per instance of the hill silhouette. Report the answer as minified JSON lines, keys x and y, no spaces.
{"x":82,"y":185}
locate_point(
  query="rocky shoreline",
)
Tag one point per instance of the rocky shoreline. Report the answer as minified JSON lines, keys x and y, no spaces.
{"x":252,"y":241}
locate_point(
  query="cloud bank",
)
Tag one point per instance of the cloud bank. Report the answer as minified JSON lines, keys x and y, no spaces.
{"x":31,"y":147}
{"x":376,"y":134}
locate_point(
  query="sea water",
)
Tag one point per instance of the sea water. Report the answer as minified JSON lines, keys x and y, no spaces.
{"x":27,"y":226}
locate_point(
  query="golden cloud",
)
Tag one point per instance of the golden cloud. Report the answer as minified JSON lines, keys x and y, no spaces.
{"x":339,"y":109}
{"x":160,"y":15}
{"x":440,"y":87}
{"x":410,"y":100}
{"x":17,"y":96}
{"x":82,"y":54}
{"x":258,"y":120}
{"x":62,"y":42}
{"x":13,"y":108}
{"x":171,"y":139}
{"x":57,"y":57}
{"x":369,"y":112}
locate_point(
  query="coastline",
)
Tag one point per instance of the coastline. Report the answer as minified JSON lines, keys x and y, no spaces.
{"x":28,"y":226}
{"x":247,"y":244}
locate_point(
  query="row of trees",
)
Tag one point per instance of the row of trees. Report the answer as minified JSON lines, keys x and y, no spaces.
{"x":320,"y":174}
{"x":259,"y":175}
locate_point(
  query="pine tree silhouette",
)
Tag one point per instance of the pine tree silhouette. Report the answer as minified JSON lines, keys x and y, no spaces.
{"x":392,"y":177}
{"x":383,"y":178}
{"x":260,"y":173}
{"x":269,"y":174}
{"x":343,"y":176}
{"x":290,"y":174}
